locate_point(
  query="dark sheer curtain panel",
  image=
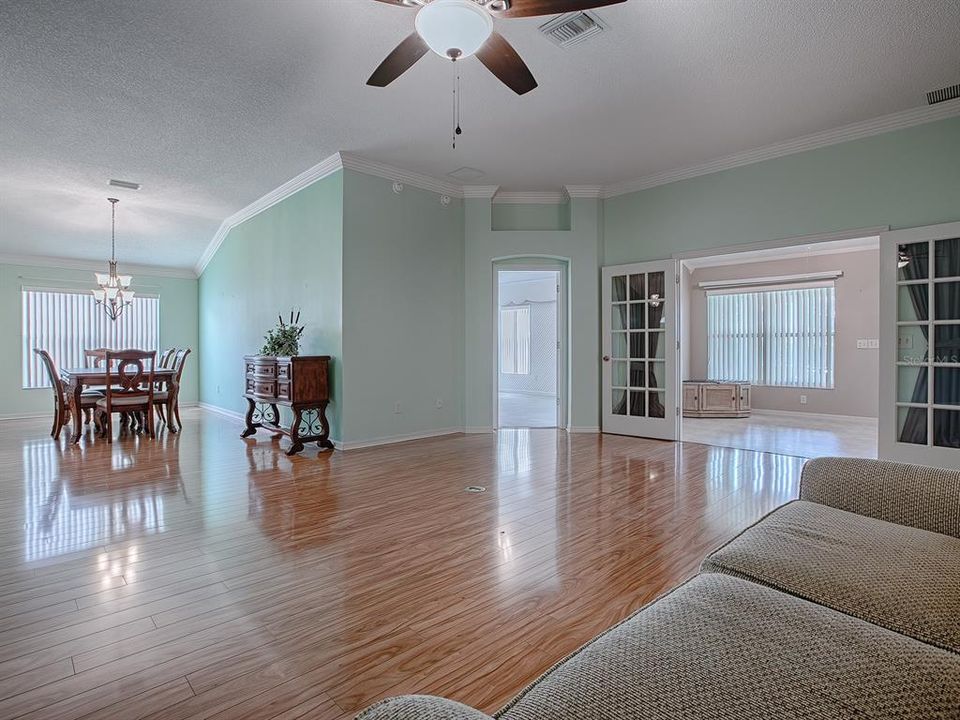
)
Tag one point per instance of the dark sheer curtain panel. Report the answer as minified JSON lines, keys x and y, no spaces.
{"x":914,"y":428}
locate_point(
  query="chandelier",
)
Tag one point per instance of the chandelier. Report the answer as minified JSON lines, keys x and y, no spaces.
{"x":113,"y":293}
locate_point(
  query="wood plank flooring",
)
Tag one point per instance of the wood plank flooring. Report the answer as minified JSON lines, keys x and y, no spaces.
{"x":204,"y":576}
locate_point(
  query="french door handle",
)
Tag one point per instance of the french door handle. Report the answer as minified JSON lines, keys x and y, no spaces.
{"x":606,"y":358}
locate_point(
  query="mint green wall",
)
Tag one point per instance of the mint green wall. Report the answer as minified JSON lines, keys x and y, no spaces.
{"x":286,"y":256}
{"x":533,"y":216}
{"x":903,"y":178}
{"x":580,"y":247}
{"x":178,"y":326}
{"x":402,"y":310}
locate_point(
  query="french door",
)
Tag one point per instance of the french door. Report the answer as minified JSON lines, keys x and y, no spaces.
{"x":920,"y":345}
{"x":639,"y":345}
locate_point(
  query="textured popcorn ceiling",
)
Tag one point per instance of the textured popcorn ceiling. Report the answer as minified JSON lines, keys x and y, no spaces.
{"x":212,"y":103}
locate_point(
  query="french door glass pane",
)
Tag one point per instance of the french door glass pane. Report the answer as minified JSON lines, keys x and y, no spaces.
{"x":618,"y":317}
{"x":912,"y":343}
{"x":636,"y":287}
{"x":947,"y":343}
{"x":656,"y":404}
{"x":618,"y":288}
{"x":636,"y":345}
{"x":946,"y":386}
{"x":636,"y":403}
{"x":947,"y":258}
{"x":636,"y":374}
{"x":655,"y":286}
{"x":947,"y":301}
{"x":619,"y":373}
{"x":618,"y":402}
{"x":655,"y":315}
{"x":913,"y":261}
{"x":912,"y":384}
{"x":619,"y":345}
{"x":657,"y":371}
{"x":912,"y":425}
{"x":655,"y":345}
{"x":636,"y":316}
{"x":946,"y":428}
{"x":912,"y":303}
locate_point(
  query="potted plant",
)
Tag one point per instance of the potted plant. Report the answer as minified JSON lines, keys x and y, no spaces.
{"x":283,"y":340}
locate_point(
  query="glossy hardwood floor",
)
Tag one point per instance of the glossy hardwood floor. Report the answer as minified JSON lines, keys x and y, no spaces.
{"x":205,"y":576}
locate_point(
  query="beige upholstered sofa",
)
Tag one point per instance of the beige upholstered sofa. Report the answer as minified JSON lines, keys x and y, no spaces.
{"x":842,"y":604}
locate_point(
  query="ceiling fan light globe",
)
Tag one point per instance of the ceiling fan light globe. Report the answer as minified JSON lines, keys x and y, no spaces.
{"x":454,"y":29}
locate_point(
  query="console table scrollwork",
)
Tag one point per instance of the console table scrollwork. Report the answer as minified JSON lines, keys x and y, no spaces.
{"x":300,"y":383}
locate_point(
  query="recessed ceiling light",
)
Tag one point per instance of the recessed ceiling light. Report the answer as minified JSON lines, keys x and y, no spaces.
{"x":124,"y":184}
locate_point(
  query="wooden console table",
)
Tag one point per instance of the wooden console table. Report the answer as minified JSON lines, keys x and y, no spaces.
{"x":300,"y":383}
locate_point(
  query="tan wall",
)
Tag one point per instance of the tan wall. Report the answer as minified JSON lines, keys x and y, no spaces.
{"x":856,"y":377}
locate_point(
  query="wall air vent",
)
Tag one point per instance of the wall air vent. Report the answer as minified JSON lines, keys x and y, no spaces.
{"x":573,"y":28}
{"x":943,"y":94}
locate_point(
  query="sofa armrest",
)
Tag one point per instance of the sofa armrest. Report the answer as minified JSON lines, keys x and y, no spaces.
{"x":921,"y":497}
{"x":420,"y":707}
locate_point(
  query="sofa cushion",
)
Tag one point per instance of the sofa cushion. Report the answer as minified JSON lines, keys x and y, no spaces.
{"x":899,"y":577}
{"x":725,"y":648}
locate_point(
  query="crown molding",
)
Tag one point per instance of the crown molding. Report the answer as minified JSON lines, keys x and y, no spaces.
{"x":483,"y":192}
{"x":846,"y":133}
{"x":546,"y":197}
{"x":584,"y":191}
{"x":96,"y":266}
{"x":366,"y":166}
{"x":321,"y":170}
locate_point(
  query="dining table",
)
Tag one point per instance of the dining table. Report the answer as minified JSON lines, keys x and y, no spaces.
{"x":75,"y":380}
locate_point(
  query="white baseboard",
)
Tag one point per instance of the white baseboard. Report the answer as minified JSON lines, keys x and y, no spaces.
{"x":800,"y":413}
{"x":232,"y":414}
{"x":398,"y":438}
{"x":28,"y":416}
{"x":585,"y":429}
{"x":531,"y":393}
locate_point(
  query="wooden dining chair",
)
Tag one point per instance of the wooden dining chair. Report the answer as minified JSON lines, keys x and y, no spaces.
{"x":167,"y":357}
{"x":61,"y":407}
{"x":95,"y":357}
{"x":168,"y":401}
{"x":130,"y":388}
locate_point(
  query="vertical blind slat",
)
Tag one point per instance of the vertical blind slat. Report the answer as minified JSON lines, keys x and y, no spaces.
{"x":68,"y":323}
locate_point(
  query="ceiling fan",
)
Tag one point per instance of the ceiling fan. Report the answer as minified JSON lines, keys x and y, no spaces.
{"x":456,"y":29}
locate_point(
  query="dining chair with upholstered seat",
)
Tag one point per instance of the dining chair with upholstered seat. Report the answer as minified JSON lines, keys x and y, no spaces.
{"x":130,"y":388}
{"x":61,"y":405}
{"x":95,"y":357}
{"x":168,"y":401}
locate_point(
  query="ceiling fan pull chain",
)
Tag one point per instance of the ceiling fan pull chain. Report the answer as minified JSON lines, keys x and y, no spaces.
{"x":456,"y":104}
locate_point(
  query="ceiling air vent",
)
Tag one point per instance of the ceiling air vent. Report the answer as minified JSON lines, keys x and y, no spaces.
{"x":573,"y":28}
{"x":126,"y":184}
{"x":943,"y":94}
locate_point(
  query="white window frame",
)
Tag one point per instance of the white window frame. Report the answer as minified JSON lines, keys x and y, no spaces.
{"x":515,"y":350}
{"x":46,"y":312}
{"x":824,"y":341}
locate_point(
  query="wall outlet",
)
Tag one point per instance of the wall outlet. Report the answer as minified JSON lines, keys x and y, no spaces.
{"x":861,"y":344}
{"x":873,"y":344}
{"x":396,"y":408}
{"x":803,"y":399}
{"x":905,"y":341}
{"x":439,"y":403}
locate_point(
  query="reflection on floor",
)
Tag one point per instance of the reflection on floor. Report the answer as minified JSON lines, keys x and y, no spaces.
{"x":205,"y":576}
{"x":519,"y":410}
{"x":803,"y":434}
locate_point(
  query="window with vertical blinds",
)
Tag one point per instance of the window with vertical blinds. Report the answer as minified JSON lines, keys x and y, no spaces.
{"x":782,"y":338}
{"x":65,"y":323}
{"x":515,"y":340}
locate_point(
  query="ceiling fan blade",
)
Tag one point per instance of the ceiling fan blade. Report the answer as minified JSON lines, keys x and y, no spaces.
{"x":399,"y":61}
{"x":504,"y":62}
{"x":531,"y":8}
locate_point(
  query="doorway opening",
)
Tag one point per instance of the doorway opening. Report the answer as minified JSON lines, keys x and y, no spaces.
{"x":528,"y":348}
{"x":779,"y":348}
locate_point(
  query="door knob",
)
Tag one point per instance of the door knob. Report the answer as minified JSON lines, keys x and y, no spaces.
{"x":606,"y":358}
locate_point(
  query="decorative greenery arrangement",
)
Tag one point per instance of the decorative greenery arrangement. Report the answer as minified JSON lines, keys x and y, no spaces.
{"x":283,"y":340}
